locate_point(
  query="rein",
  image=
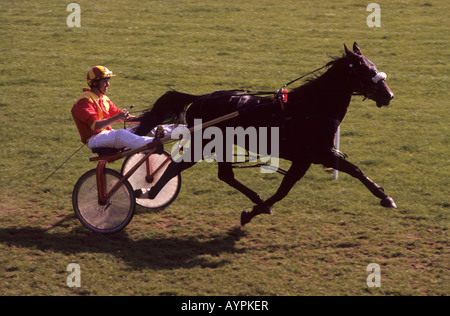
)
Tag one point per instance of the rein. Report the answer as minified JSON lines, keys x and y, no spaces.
{"x":280,"y":94}
{"x":299,"y":78}
{"x":280,"y":91}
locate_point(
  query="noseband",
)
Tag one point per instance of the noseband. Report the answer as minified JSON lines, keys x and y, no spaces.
{"x":379,"y":76}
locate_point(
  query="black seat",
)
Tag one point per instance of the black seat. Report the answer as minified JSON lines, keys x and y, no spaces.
{"x":106,"y":151}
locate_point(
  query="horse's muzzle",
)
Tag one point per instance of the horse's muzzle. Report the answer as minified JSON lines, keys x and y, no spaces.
{"x":387,"y":96}
{"x":386,"y":101}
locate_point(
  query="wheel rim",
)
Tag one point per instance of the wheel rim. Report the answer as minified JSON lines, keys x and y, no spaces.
{"x":111,"y":217}
{"x":138,"y":181}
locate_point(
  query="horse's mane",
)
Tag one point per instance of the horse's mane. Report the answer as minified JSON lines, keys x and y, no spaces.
{"x":314,"y":81}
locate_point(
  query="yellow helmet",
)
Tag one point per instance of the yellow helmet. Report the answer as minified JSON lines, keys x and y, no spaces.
{"x":97,"y":73}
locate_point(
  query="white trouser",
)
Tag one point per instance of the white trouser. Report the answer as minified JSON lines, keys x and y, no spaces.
{"x":118,"y":139}
{"x":123,"y":138}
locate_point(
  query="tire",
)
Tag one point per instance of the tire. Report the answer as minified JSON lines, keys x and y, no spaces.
{"x":138,"y":180}
{"x":109,"y":218}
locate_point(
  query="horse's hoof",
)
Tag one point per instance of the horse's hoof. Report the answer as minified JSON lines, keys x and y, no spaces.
{"x":388,"y":202}
{"x":246,"y":217}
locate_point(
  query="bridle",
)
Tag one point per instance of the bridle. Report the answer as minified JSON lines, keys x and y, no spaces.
{"x":371,"y":89}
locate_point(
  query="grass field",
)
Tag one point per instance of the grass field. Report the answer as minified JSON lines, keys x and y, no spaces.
{"x":319,"y":240}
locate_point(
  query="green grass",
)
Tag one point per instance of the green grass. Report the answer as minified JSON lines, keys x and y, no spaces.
{"x":319,"y":240}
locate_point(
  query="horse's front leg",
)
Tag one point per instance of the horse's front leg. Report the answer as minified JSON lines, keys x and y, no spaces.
{"x":294,"y":174}
{"x":343,"y":165}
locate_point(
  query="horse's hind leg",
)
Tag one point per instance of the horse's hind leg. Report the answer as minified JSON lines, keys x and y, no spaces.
{"x":294,"y":174}
{"x":226,"y":174}
{"x":343,"y":165}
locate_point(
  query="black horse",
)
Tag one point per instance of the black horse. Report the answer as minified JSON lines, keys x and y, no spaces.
{"x":307,"y":123}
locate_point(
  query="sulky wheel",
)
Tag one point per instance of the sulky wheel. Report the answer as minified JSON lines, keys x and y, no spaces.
{"x":118,"y":211}
{"x":140,"y":179}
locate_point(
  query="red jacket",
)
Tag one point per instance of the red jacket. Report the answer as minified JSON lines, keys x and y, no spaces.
{"x":90,"y":108}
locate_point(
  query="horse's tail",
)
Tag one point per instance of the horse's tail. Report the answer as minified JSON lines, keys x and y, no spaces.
{"x":169,"y":108}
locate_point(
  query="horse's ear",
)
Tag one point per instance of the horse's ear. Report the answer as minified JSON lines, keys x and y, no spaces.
{"x":350,"y":54}
{"x":356,"y":49}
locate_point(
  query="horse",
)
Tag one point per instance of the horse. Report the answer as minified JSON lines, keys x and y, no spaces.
{"x":307,"y":122}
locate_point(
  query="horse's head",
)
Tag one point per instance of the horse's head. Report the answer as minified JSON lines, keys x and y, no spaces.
{"x":369,"y":81}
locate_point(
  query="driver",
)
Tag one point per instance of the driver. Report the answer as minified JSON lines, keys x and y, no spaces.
{"x":93,"y":113}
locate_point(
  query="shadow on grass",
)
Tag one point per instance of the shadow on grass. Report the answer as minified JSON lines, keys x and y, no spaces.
{"x":159,"y":253}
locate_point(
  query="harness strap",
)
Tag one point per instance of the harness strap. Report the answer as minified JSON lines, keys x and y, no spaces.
{"x":281,"y":97}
